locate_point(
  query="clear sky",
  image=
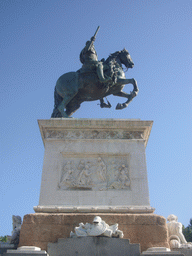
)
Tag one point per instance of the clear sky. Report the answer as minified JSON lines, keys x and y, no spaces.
{"x":42,"y":39}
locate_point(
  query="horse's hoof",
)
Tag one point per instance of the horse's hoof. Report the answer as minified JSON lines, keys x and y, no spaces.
{"x":121,"y":106}
{"x":134,"y":94}
{"x":104,"y":105}
{"x":63,"y":113}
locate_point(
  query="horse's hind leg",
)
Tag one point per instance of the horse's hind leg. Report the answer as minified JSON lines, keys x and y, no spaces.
{"x":59,"y":105}
{"x":103,"y":104}
{"x":61,"y":108}
{"x":63,"y":104}
{"x":57,"y":101}
{"x":71,"y":108}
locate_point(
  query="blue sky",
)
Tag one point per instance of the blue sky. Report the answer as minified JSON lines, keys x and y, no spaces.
{"x":42,"y":39}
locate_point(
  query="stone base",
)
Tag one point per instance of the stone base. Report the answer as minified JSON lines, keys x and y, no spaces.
{"x":185,"y":251}
{"x":161,"y":251}
{"x":26,"y":251}
{"x":162,"y":254}
{"x":86,"y":246}
{"x":38,"y":229}
{"x":6,"y":246}
{"x":94,"y":165}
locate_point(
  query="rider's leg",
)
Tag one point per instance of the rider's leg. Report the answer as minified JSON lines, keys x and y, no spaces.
{"x":101,"y":74}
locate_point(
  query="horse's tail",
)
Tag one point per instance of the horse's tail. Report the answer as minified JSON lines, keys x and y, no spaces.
{"x":57,"y":100}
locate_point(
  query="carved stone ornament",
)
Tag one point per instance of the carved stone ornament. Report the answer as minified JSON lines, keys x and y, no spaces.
{"x":176,"y":237}
{"x":98,"y":228}
{"x":16,"y":229}
{"x":94,"y":173}
{"x":95,"y":134}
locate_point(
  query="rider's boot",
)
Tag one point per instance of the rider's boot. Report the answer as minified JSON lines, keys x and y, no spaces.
{"x":101,"y":74}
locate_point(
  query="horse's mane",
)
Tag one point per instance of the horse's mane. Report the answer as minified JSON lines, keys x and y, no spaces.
{"x":112,"y":57}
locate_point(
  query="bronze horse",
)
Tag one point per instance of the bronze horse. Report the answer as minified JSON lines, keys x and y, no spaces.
{"x":73,"y":88}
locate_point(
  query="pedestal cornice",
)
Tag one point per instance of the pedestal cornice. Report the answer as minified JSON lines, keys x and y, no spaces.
{"x":97,"y":129}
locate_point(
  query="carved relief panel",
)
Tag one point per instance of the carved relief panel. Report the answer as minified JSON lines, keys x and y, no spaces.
{"x":94,"y":134}
{"x":94,"y":173}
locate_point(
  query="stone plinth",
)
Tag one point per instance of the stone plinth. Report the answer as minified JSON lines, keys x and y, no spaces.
{"x":96,"y":246}
{"x":184,"y":251}
{"x":94,"y":165}
{"x":161,"y":251}
{"x":149,"y":230}
{"x":6,"y":246}
{"x":163,"y":254}
{"x":27,"y":251}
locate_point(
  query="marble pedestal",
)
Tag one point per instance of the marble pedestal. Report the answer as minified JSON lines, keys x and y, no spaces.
{"x":94,"y":165}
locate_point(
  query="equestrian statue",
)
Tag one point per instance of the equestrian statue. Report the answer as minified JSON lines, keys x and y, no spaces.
{"x":94,"y":81}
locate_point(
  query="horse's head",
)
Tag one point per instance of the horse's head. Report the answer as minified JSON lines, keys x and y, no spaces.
{"x":125,"y":58}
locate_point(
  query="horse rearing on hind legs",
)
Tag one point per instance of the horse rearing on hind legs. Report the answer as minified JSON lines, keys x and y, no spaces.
{"x":94,"y":81}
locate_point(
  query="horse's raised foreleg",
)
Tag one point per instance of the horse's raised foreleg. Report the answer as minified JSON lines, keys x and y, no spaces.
{"x":104,"y":105}
{"x":129,"y":81}
{"x":126,"y":95}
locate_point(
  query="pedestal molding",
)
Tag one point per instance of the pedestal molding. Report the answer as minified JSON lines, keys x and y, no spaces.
{"x":99,"y":209}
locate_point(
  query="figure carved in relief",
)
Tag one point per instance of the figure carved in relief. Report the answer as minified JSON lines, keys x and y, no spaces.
{"x":122,"y":179}
{"x":81,"y":165}
{"x":68,"y":173}
{"x":84,"y":176}
{"x":101,"y":169}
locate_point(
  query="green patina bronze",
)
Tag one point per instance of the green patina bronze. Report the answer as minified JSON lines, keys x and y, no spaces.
{"x":94,"y":81}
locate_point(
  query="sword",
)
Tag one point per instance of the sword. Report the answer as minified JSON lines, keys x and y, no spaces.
{"x":93,"y":38}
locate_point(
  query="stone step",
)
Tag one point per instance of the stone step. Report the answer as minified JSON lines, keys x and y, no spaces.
{"x":94,"y":246}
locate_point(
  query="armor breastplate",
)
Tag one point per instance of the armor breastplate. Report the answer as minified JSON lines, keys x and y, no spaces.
{"x":88,"y":56}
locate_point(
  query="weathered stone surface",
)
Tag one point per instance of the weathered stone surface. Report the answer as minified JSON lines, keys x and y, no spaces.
{"x":6,"y":246}
{"x":94,"y":165}
{"x":39,"y":229}
{"x":163,"y":254}
{"x":96,"y":246}
{"x":160,"y":251}
{"x":27,"y":251}
{"x":25,"y":254}
{"x":185,"y":251}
